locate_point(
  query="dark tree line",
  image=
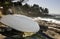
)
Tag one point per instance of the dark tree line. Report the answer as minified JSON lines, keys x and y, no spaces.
{"x":33,"y":10}
{"x":6,"y":4}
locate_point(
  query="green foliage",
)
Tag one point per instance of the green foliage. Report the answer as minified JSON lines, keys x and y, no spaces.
{"x":26,"y":6}
{"x":46,"y":10}
{"x":35,"y":10}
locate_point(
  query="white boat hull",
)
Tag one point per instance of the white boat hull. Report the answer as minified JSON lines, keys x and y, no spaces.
{"x":21,"y":23}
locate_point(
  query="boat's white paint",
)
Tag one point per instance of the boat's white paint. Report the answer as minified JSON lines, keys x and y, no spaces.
{"x":21,"y":23}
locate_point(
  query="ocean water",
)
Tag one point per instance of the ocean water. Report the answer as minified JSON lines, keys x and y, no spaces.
{"x":57,"y":17}
{"x":49,"y":19}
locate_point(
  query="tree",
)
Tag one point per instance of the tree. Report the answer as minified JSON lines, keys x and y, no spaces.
{"x":41,"y":10}
{"x":8,"y":3}
{"x":26,"y":6}
{"x":17,"y":2}
{"x":46,"y":11}
{"x":5,"y":4}
{"x":35,"y":6}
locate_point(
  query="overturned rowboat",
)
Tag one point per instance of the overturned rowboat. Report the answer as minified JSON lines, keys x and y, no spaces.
{"x":20,"y":23}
